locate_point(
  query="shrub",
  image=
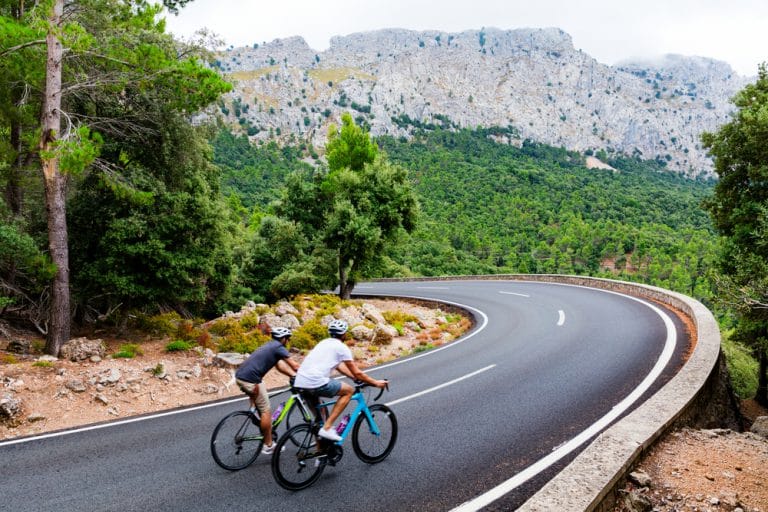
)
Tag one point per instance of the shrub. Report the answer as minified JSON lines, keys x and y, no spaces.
{"x":742,"y":367}
{"x":242,"y":342}
{"x":165,"y":324}
{"x":43,"y":364}
{"x":308,"y":335}
{"x":8,"y":359}
{"x":205,"y":340}
{"x":226,"y":327}
{"x":128,"y":351}
{"x":250,"y":321}
{"x":186,"y":330}
{"x":398,"y":316}
{"x":178,"y":346}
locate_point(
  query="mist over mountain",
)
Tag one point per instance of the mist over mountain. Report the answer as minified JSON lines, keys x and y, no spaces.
{"x":531,"y":82}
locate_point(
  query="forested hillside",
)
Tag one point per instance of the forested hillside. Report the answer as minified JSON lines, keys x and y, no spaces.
{"x":489,"y":207}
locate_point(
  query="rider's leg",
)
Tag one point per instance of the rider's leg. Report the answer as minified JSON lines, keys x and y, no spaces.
{"x":261,"y":399}
{"x":345,"y":394}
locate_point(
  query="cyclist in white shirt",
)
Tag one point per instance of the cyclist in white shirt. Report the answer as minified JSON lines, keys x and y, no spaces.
{"x":314,"y":374}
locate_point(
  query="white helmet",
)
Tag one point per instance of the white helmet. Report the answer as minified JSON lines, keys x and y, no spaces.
{"x":337,"y":327}
{"x":281,"y":332}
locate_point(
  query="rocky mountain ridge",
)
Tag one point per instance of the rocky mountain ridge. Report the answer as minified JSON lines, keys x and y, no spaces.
{"x":532,"y":83}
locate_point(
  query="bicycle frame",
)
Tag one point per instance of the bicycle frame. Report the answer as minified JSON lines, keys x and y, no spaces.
{"x":294,"y":399}
{"x":361,"y":408}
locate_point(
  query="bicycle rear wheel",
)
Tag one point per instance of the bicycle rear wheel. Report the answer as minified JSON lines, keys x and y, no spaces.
{"x":370,"y":447}
{"x":296,"y":463}
{"x":295,"y":416}
{"x":237,"y":440}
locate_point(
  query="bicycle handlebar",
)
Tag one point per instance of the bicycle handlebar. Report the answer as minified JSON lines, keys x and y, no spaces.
{"x":360,"y":385}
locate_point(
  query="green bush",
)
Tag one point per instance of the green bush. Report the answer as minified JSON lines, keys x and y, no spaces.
{"x":187,"y":330}
{"x":250,"y":321}
{"x":241,"y":342}
{"x":128,"y":351}
{"x":165,"y":324}
{"x":308,"y":335}
{"x":43,"y":364}
{"x":226,"y":327}
{"x":178,"y":346}
{"x":742,"y":366}
{"x":398,"y":316}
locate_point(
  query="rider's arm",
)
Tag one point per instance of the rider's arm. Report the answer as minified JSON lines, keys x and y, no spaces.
{"x":357,"y":374}
{"x":292,"y":365}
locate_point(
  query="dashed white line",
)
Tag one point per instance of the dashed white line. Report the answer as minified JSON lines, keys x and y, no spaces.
{"x":561,"y":318}
{"x":440,"y":386}
{"x":518,"y":294}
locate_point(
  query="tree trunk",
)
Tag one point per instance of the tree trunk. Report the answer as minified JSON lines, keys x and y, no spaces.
{"x":55,"y":188}
{"x":345,"y":292}
{"x":762,"y":379}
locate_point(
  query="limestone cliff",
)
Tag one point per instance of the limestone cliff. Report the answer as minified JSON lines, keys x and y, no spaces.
{"x":532,"y":80}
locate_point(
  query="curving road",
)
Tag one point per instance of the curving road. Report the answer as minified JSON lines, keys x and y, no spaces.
{"x":483,"y":422}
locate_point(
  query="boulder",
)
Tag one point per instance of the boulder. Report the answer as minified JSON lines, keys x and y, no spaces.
{"x":19,"y":346}
{"x":273,"y":320}
{"x":76,"y":385}
{"x":640,"y":478}
{"x":80,"y":349}
{"x":760,"y":426}
{"x":290,"y":321}
{"x":362,"y":333}
{"x":10,"y":408}
{"x":229,"y":359}
{"x":111,"y":376}
{"x":351,"y":315}
{"x":383,"y":334}
{"x":285,"y":308}
{"x":372,"y":313}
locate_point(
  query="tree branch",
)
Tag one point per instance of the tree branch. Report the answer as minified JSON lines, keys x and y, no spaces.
{"x":21,"y":47}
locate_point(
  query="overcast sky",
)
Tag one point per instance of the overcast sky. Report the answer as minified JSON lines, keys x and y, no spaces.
{"x":735,"y":31}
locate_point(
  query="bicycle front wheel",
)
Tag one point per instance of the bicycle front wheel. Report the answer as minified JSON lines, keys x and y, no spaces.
{"x":237,"y":440}
{"x":370,"y":447}
{"x":296,"y":462}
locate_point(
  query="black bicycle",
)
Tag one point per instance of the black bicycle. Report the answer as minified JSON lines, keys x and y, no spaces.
{"x":237,"y":439}
{"x":301,"y":455}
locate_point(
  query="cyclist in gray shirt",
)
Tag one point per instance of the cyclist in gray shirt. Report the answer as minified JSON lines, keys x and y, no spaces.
{"x":249,"y":377}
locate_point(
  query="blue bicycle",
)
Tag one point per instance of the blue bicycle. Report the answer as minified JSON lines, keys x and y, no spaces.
{"x":301,"y":455}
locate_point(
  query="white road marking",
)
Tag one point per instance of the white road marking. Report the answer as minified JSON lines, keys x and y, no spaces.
{"x":440,"y":386}
{"x":518,"y":294}
{"x":563,"y":450}
{"x":432,"y":288}
{"x":561,"y":319}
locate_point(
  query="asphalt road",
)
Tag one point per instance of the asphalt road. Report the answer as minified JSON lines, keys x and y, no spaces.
{"x":544,"y":364}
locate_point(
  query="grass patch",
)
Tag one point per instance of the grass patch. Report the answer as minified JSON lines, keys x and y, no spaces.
{"x":8,"y":359}
{"x":253,"y":74}
{"x":43,"y":364}
{"x":336,"y":75}
{"x":128,"y":351}
{"x":422,"y":348}
{"x":179,"y":346}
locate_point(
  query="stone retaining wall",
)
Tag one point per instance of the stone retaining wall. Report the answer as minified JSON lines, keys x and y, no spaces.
{"x":589,"y":481}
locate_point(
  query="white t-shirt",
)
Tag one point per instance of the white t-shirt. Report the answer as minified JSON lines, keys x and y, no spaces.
{"x":315,"y":370}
